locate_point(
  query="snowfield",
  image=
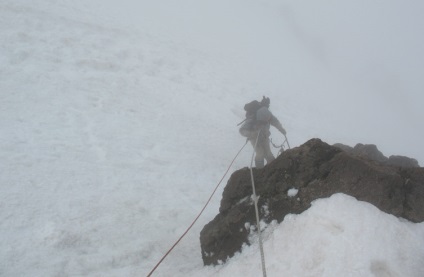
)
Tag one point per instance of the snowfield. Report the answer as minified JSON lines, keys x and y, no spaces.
{"x":118,"y":119}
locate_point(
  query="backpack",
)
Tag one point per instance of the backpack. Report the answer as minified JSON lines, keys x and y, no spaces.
{"x":251,"y":108}
{"x":247,"y":129}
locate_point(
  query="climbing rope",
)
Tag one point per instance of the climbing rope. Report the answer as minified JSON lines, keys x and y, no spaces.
{"x":255,"y":200}
{"x":288,"y":144}
{"x":194,"y":221}
{"x":281,"y":146}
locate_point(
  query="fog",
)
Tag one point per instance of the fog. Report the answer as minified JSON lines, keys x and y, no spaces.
{"x":358,"y":63}
{"x":119,"y":117}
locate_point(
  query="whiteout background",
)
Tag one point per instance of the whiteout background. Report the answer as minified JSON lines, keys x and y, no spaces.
{"x":118,"y":118}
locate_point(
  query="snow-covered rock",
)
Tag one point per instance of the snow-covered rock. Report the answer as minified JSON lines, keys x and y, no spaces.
{"x":316,"y":170}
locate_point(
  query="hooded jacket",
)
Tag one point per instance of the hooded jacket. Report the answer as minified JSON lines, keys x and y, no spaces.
{"x":265,"y":118}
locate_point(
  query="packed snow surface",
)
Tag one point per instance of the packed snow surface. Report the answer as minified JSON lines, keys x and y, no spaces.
{"x":118,"y":119}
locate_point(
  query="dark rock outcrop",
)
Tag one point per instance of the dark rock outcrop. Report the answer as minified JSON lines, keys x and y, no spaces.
{"x":313,"y":170}
{"x":402,"y":161}
{"x":370,"y":151}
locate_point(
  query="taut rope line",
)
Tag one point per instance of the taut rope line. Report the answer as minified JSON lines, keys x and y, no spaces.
{"x":255,"y":200}
{"x":194,"y":221}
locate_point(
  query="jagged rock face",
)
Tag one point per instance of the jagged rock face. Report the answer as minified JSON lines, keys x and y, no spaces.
{"x":370,"y":151}
{"x":316,"y":170}
{"x":402,"y":161}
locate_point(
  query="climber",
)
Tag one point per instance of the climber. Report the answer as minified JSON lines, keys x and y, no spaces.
{"x":256,"y":125}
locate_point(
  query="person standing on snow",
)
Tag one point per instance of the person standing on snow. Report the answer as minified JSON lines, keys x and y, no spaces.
{"x":257,"y":125}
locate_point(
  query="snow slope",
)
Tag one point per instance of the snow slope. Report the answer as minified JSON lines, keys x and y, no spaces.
{"x":338,"y":236}
{"x":117,"y":121}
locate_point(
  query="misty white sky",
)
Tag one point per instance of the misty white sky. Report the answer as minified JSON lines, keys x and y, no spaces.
{"x":360,"y":60}
{"x":119,"y":117}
